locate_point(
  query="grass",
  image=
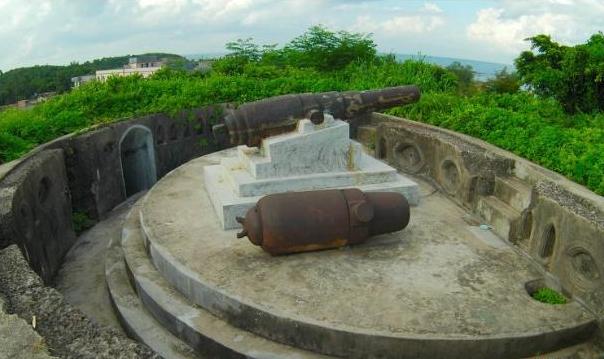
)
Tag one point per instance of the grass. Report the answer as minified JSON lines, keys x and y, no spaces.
{"x":549,"y":296}
{"x":532,"y":127}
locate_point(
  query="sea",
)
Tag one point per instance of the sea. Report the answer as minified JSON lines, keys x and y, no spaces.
{"x":482,"y":70}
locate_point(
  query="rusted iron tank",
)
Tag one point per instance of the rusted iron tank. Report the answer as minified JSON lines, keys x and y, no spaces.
{"x":307,"y":221}
{"x":253,"y":121}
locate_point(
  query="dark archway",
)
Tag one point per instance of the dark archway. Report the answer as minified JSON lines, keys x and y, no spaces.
{"x":138,"y":160}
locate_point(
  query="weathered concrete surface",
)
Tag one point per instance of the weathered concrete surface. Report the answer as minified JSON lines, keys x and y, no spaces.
{"x":18,"y":340}
{"x":204,"y":332}
{"x":440,"y":287}
{"x":136,"y":320}
{"x":81,"y":279}
{"x":559,"y":223}
{"x":67,"y":332}
{"x":35,"y":211}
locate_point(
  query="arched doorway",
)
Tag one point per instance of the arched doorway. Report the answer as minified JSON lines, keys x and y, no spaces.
{"x":138,"y":160}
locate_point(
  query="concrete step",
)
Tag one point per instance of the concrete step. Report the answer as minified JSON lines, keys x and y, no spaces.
{"x":514,"y":192}
{"x":503,"y":217}
{"x":204,"y":332}
{"x":136,"y":320}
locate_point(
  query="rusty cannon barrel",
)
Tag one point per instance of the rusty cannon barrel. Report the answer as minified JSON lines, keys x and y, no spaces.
{"x":307,"y":221}
{"x":253,"y":121}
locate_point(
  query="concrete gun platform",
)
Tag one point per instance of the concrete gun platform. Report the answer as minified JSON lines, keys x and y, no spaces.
{"x":439,"y":288}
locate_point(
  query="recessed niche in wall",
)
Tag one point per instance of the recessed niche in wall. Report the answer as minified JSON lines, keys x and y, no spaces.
{"x":160,"y":136}
{"x":583,"y":271}
{"x":173,"y":132}
{"x":382,"y":148}
{"x":409,"y":157}
{"x":43,"y":189}
{"x":137,"y":159}
{"x":527,"y":225}
{"x":548,"y":241}
{"x":450,"y":176}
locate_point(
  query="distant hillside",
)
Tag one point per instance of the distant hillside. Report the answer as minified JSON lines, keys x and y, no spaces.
{"x":24,"y":82}
{"x":483,"y":70}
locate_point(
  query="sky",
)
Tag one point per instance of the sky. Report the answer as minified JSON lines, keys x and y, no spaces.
{"x":61,"y":31}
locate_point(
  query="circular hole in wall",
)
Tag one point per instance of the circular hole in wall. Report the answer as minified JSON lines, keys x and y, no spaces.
{"x":382,"y":148}
{"x":43,"y":189}
{"x":173,"y":132}
{"x":408,"y":156}
{"x":548,"y":242}
{"x":584,"y":267}
{"x":450,"y":175}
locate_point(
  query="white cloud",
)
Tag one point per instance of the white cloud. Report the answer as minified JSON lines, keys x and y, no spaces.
{"x":425,"y":20}
{"x":431,"y":7}
{"x":504,"y":28}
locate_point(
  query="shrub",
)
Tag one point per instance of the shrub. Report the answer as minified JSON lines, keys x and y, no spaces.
{"x":549,"y":296}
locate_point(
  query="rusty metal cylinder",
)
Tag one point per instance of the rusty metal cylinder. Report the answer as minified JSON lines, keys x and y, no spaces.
{"x":254,"y":121}
{"x":307,"y":221}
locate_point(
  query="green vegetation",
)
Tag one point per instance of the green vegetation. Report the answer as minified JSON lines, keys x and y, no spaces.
{"x":549,"y":296}
{"x":22,"y":83}
{"x":533,"y":124}
{"x":81,"y":222}
{"x":574,"y":75}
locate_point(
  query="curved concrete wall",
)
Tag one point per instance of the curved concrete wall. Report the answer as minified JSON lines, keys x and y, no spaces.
{"x":554,"y":220}
{"x":83,"y":173}
{"x":559,"y":223}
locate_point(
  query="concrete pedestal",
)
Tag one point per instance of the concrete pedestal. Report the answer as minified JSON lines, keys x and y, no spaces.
{"x":310,"y":158}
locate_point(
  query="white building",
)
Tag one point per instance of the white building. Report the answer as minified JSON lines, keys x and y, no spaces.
{"x":143,"y":65}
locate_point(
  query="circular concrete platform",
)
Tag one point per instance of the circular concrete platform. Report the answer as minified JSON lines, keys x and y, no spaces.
{"x":438,"y":288}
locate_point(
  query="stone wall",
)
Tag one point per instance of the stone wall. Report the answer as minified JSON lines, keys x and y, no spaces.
{"x":83,"y":173}
{"x":559,"y":223}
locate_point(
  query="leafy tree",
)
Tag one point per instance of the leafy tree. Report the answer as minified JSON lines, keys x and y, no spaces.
{"x":464,"y":74}
{"x":245,"y":49}
{"x":503,"y":82}
{"x":571,"y":74}
{"x":326,"y":50}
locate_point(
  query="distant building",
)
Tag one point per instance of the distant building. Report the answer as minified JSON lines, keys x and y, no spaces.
{"x":32,"y":101}
{"x":143,"y":65}
{"x":78,"y":80}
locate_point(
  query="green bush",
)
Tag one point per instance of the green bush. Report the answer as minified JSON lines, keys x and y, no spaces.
{"x":537,"y":128}
{"x":549,"y":296}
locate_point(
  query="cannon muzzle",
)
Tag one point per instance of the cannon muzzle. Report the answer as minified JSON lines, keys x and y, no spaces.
{"x":254,"y":121}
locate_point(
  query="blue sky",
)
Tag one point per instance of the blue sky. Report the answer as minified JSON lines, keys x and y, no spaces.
{"x":61,"y":31}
